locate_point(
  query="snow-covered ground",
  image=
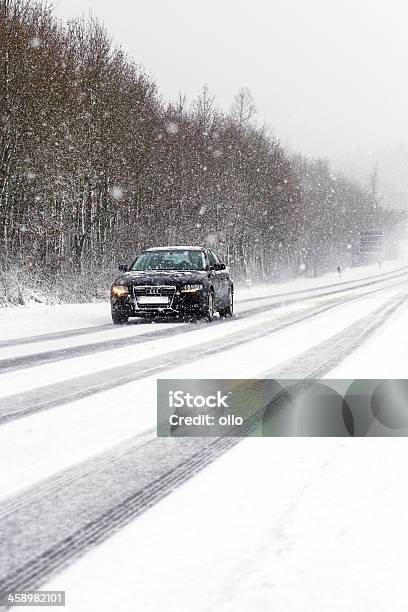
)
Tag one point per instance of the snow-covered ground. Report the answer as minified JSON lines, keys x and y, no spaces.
{"x":282,"y":524}
{"x":275,"y":524}
{"x":36,"y":319}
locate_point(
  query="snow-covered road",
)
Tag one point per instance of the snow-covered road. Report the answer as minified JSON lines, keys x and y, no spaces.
{"x":267,"y":525}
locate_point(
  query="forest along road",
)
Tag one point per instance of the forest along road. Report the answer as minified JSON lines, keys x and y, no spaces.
{"x":78,"y":447}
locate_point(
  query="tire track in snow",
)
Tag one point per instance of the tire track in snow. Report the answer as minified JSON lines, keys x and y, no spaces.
{"x":343,"y":286}
{"x":42,"y":534}
{"x":50,"y":396}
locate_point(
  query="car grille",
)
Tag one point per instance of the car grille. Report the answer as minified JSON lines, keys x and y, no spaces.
{"x":151,"y":292}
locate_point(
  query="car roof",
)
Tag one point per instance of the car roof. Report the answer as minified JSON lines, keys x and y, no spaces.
{"x":177,"y":248}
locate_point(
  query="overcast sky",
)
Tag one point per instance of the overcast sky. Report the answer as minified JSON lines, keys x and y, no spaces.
{"x":328,"y":76}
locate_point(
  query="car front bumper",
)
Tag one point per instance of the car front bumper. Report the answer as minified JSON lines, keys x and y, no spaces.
{"x":180,"y":305}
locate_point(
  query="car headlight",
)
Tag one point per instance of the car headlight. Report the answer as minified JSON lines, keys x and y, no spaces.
{"x":120,"y":290}
{"x":191,"y":288}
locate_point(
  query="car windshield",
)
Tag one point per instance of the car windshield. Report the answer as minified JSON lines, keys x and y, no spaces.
{"x":170,"y":260}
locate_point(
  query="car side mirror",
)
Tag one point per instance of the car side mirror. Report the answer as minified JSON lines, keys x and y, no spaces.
{"x":123,"y":268}
{"x":219,"y":266}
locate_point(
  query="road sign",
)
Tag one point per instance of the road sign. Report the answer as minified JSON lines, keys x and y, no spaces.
{"x":372,"y":241}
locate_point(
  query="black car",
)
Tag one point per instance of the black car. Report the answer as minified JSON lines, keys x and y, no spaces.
{"x":182,"y":280}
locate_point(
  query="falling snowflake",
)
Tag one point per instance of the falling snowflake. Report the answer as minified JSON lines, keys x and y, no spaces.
{"x":217,"y":153}
{"x":35,"y":42}
{"x":171,"y":127}
{"x":202,"y":211}
{"x":116,"y":192}
{"x":302,"y":267}
{"x":211,"y":239}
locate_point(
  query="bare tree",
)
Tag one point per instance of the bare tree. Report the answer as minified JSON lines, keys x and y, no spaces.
{"x":243,"y":108}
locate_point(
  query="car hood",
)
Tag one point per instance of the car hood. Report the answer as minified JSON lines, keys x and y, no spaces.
{"x":161,"y":277}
